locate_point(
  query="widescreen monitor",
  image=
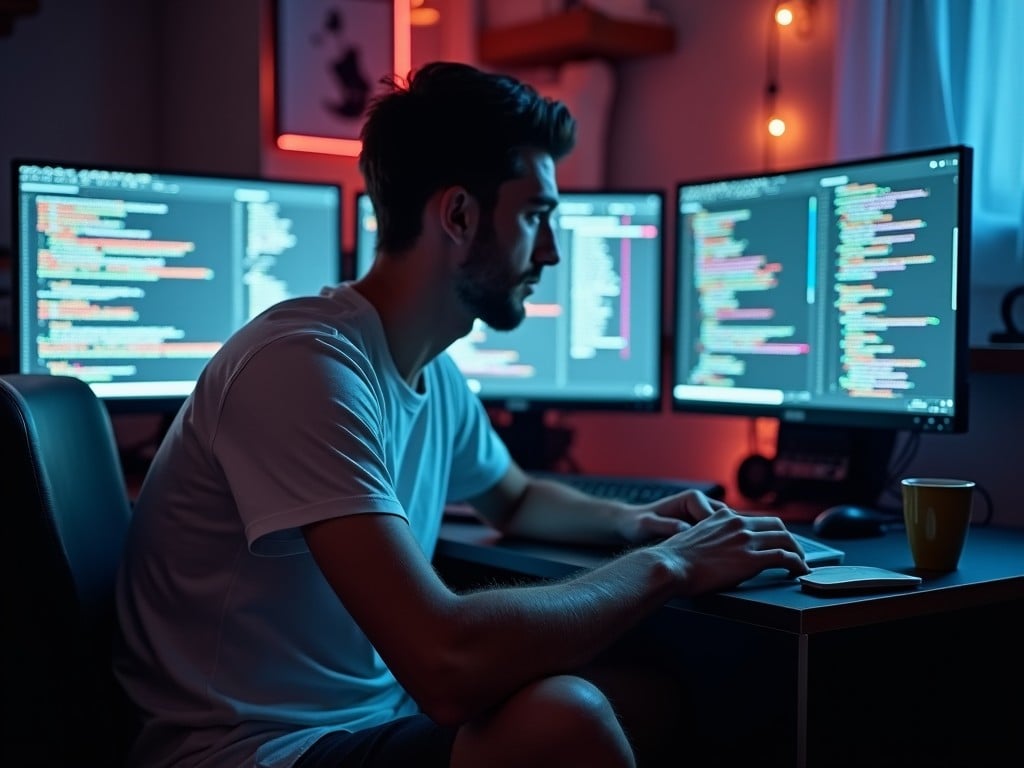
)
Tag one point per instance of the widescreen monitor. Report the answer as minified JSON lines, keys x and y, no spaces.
{"x":834,"y":297}
{"x":591,"y":339}
{"x":132,"y":278}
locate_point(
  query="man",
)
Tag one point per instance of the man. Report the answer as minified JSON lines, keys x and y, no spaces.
{"x":277,"y":601}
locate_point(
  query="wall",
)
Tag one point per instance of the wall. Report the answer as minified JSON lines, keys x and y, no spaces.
{"x":78,"y":81}
{"x":208,"y":90}
{"x":167,"y":83}
{"x":189,"y":84}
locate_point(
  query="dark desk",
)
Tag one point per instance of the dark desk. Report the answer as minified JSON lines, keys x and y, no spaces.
{"x":931,"y":677}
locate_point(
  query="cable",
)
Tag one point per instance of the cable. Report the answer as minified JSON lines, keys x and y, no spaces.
{"x":771,"y":85}
{"x":898,"y":466}
{"x":902,"y":460}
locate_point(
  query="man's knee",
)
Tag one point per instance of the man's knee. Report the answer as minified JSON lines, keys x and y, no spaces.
{"x":570,"y":707}
{"x":650,"y":704}
{"x":561,"y":720}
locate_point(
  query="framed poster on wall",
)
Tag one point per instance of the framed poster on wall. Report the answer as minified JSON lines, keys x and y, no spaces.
{"x":330,"y":57}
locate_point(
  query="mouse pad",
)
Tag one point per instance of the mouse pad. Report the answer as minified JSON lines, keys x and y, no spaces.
{"x":832,"y":579}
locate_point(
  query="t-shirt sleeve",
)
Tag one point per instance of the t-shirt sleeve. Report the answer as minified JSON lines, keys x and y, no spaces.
{"x":301,"y":438}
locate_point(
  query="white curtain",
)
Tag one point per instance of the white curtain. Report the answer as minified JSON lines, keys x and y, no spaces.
{"x":916,"y":74}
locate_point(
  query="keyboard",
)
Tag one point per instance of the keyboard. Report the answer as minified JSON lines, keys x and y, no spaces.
{"x":635,"y":490}
{"x":643,"y":490}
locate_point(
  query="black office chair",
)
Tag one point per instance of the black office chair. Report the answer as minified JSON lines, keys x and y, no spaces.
{"x":65,"y":516}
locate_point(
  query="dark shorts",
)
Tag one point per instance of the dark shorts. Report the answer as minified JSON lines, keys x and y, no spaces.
{"x":409,"y":741}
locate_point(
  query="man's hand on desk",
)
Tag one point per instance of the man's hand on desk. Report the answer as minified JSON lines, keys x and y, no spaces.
{"x":667,"y":516}
{"x":717,"y":546}
{"x":707,"y":546}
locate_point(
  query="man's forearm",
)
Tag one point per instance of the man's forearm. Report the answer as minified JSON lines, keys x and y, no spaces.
{"x":556,"y":512}
{"x":513,"y":635}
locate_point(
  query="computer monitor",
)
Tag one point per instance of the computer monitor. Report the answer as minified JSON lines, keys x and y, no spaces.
{"x":364,"y":238}
{"x":834,"y":298}
{"x":591,"y":339}
{"x":131,"y":278}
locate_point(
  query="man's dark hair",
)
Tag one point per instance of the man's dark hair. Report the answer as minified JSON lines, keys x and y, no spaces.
{"x":451,"y":124}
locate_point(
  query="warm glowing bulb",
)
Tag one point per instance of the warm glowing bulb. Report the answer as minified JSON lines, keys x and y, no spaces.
{"x":424,"y":17}
{"x":784,"y":16}
{"x":776,"y":126}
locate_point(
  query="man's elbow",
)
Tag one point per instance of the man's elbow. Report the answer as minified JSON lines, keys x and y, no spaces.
{"x":450,"y":680}
{"x":451,"y":695}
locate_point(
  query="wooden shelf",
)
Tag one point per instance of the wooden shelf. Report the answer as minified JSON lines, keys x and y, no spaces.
{"x":11,"y":10}
{"x":577,"y":34}
{"x":998,"y":358}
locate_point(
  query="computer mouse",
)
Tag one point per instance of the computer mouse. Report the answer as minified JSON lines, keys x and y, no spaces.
{"x":851,"y":521}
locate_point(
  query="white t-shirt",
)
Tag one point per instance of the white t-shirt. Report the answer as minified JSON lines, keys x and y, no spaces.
{"x":232,"y":640}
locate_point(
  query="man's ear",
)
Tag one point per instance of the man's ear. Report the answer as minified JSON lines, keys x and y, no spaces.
{"x":459,"y":214}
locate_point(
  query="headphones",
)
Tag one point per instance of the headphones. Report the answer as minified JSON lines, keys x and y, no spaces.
{"x":1014,"y":333}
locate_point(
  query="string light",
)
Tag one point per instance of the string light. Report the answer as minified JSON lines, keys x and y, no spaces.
{"x":785,"y":13}
{"x":422,"y":16}
{"x":800,"y":13}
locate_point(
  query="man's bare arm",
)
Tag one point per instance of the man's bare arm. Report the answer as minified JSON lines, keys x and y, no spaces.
{"x":459,"y":655}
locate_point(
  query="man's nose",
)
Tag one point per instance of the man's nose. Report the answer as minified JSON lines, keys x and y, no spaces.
{"x":545,"y":249}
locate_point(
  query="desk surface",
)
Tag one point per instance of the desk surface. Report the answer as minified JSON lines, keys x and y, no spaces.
{"x":991,"y":571}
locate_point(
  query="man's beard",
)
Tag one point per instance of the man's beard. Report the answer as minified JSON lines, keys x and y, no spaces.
{"x":487,"y":288}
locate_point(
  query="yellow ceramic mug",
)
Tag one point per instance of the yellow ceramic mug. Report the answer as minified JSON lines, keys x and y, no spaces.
{"x":937,"y":512}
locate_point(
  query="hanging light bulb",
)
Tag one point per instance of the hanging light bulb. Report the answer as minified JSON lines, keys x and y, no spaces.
{"x":422,"y":16}
{"x":784,"y":16}
{"x":776,"y":126}
{"x":795,"y":12}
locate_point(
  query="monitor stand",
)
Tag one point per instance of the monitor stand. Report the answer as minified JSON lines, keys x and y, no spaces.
{"x":534,"y":444}
{"x":831,"y":465}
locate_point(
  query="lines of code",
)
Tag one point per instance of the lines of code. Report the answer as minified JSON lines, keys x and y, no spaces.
{"x":830,"y":288}
{"x":92,"y":275}
{"x":131,"y":281}
{"x":592,"y":327}
{"x":874,"y":241}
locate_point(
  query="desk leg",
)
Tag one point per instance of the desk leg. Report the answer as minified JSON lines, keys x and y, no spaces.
{"x":801,"y":701}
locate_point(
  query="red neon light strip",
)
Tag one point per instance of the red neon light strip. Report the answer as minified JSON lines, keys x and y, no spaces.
{"x":296,"y":142}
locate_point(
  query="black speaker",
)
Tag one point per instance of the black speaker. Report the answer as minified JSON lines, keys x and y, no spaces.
{"x":819,"y":464}
{"x":755,"y":477}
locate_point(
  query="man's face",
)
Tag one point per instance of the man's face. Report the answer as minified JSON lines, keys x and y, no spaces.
{"x":511,"y":246}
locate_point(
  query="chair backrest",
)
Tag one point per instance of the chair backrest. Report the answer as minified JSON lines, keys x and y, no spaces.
{"x":65,"y":517}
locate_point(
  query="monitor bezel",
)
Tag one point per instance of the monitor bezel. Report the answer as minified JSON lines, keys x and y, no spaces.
{"x":157,"y":404}
{"x":957,"y":423}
